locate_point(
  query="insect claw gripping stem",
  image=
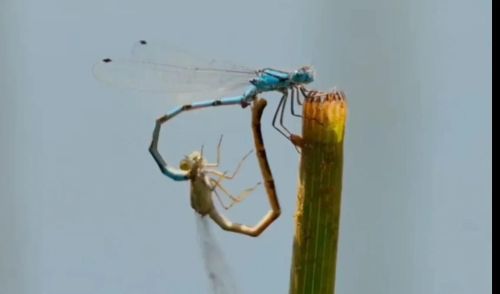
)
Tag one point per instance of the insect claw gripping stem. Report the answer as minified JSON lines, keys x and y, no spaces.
{"x":308,"y":94}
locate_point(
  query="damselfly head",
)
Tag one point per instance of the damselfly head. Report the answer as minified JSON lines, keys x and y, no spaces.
{"x":195,"y":159}
{"x":303,"y":75}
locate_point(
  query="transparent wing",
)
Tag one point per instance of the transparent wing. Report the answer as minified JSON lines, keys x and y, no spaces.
{"x":145,"y":75}
{"x":166,"y":53}
{"x":172,"y":71}
{"x":219,"y":274}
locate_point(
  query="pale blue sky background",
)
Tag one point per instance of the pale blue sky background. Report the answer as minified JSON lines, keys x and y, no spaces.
{"x":84,"y":209}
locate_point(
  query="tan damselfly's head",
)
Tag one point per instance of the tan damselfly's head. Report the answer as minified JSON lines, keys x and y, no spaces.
{"x":192,"y":161}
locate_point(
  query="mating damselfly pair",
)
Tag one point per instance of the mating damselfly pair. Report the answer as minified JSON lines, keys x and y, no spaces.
{"x":172,"y":71}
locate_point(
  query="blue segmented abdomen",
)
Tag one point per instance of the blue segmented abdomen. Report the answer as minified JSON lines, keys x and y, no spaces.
{"x":208,"y":103}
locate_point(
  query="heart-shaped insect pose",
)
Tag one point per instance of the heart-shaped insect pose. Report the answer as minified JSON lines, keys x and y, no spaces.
{"x":206,"y":180}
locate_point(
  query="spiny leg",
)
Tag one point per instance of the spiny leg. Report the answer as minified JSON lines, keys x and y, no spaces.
{"x":213,"y":183}
{"x":202,"y":149}
{"x":295,"y":98}
{"x":240,"y":164}
{"x":236,"y":171}
{"x":282,"y":115}
{"x":240,"y":197}
{"x":218,"y":150}
{"x":226,"y":207}
{"x":216,"y":164}
{"x":305,"y":92}
{"x":300,"y":102}
{"x":278,"y":110}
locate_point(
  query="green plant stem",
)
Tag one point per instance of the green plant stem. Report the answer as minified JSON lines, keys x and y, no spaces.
{"x":319,"y":194}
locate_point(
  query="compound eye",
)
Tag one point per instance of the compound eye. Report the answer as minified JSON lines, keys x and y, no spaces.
{"x":185,"y":165}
